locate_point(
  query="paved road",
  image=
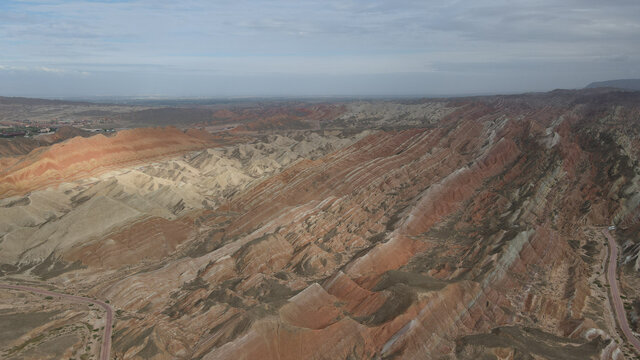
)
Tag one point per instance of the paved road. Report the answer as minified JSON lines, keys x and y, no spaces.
{"x":615,"y":292}
{"x":105,"y":350}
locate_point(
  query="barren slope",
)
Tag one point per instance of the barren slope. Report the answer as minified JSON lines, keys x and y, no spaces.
{"x":466,"y":232}
{"x":83,"y":157}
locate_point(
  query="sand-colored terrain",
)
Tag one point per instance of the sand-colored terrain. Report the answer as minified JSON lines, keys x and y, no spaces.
{"x":457,"y":229}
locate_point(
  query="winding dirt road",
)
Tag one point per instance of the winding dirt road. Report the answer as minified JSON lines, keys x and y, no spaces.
{"x":105,"y":350}
{"x":615,"y":292}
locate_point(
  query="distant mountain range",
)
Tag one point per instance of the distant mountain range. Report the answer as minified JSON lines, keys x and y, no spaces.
{"x":627,"y":84}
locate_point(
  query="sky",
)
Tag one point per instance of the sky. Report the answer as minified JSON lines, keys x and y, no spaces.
{"x":207,"y":48}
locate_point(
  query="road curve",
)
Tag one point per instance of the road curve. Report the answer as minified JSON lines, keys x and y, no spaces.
{"x":615,"y":292}
{"x":105,"y":350}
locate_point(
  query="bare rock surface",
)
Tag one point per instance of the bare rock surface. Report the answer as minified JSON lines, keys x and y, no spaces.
{"x":456,"y":229}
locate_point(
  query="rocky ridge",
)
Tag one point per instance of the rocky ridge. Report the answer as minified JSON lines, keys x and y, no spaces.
{"x":465,"y":235}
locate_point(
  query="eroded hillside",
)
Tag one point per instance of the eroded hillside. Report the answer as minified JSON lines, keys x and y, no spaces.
{"x":461,"y":228}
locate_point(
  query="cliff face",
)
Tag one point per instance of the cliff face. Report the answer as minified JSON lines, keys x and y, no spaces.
{"x":468,"y":235}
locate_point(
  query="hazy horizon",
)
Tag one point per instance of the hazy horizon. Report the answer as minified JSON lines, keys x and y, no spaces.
{"x":62,"y":49}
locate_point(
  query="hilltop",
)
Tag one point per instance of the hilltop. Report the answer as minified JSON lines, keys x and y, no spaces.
{"x":627,"y":84}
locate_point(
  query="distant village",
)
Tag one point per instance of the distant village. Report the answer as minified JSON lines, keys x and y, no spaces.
{"x":30,"y":129}
{"x":25,"y":131}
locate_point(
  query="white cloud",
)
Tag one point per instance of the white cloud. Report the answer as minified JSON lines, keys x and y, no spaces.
{"x":51,"y":70}
{"x":42,"y":69}
{"x":334,"y":37}
{"x":12,"y":68}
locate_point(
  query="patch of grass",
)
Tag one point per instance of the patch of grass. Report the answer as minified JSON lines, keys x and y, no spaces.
{"x":13,"y":326}
{"x":28,"y":342}
{"x":531,"y":341}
